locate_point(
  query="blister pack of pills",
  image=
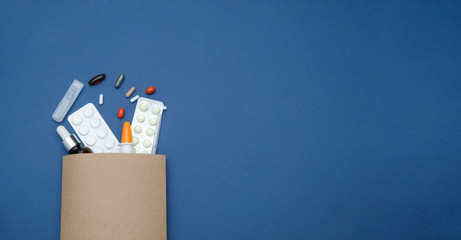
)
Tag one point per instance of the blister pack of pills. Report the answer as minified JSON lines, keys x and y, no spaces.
{"x":93,"y":130}
{"x":146,"y":125}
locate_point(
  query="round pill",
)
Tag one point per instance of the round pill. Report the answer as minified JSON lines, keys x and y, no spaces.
{"x":140,"y":118}
{"x":153,"y":121}
{"x":109,"y":143}
{"x":102,"y":133}
{"x":97,"y":79}
{"x":150,"y":90}
{"x":155,"y":110}
{"x":144,"y":152}
{"x":121,"y":113}
{"x":88,"y":112}
{"x":90,"y":141}
{"x":150,"y":132}
{"x":134,"y":150}
{"x":77,"y":119}
{"x":97,"y":149}
{"x":135,"y":140}
{"x":84,"y":130}
{"x":95,"y":122}
{"x":146,"y":143}
{"x":138,"y":129}
{"x":143,"y":107}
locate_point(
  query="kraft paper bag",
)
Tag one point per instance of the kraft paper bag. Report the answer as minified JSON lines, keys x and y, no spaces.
{"x":113,"y":196}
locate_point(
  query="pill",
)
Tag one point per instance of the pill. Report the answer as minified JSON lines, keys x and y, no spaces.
{"x":143,"y":107}
{"x":140,"y":118}
{"x":109,"y":143}
{"x":152,"y":121}
{"x":88,"y":112}
{"x":102,"y":133}
{"x":121,"y":113}
{"x":97,"y":79}
{"x":138,"y":129}
{"x":77,"y":119}
{"x":150,"y":132}
{"x":84,"y":130}
{"x":95,"y":122}
{"x":133,"y":99}
{"x":134,"y":150}
{"x":101,"y":99}
{"x":150,"y":90}
{"x":155,"y":110}
{"x":119,"y":81}
{"x":90,"y":141}
{"x":146,"y":143}
{"x":135,"y":140}
{"x":97,"y":149}
{"x":144,"y":152}
{"x":131,"y":91}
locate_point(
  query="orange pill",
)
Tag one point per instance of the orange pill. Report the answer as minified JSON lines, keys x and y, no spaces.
{"x":150,"y":90}
{"x":121,"y":113}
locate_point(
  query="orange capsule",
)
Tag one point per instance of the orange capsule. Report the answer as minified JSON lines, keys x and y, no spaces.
{"x":150,"y":90}
{"x":121,"y":113}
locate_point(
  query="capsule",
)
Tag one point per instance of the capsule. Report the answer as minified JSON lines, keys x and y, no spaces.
{"x":150,"y":90}
{"x":134,"y":99}
{"x":121,"y":113}
{"x":131,"y":91}
{"x":101,"y":99}
{"x":119,"y":81}
{"x":97,"y":79}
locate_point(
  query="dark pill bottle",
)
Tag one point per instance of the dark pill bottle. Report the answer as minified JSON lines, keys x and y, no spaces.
{"x":72,"y":144}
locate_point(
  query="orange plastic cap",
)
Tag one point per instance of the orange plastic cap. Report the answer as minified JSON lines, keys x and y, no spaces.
{"x":126,"y":133}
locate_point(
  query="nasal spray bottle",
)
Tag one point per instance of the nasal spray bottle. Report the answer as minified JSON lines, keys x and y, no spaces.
{"x":126,"y":145}
{"x":71,"y":142}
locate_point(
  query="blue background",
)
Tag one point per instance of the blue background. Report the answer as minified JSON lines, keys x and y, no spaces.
{"x":285,"y":120}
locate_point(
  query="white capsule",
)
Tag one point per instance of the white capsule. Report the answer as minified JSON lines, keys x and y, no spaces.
{"x":132,"y":100}
{"x":101,"y":99}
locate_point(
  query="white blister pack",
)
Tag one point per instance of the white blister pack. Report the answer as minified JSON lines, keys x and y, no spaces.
{"x":93,"y":130}
{"x":146,"y":125}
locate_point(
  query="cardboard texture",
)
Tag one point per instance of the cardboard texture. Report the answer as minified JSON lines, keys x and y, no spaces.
{"x":113,"y":196}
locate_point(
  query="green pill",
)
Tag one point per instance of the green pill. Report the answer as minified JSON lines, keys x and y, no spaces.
{"x":119,"y":81}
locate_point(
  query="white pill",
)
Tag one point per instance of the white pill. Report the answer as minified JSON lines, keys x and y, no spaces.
{"x":134,"y":150}
{"x":77,"y":119}
{"x":101,"y":99}
{"x":165,"y":108}
{"x":140,"y":118}
{"x":146,"y":143}
{"x":155,"y":110}
{"x":109,"y":143}
{"x":88,"y":112}
{"x":97,"y":149}
{"x":135,"y":140}
{"x":132,"y":100}
{"x":138,"y":129}
{"x":144,"y":152}
{"x":153,"y":121}
{"x":83,"y":130}
{"x":143,"y":107}
{"x":102,"y":133}
{"x":150,"y":132}
{"x":95,"y":122}
{"x":90,"y":141}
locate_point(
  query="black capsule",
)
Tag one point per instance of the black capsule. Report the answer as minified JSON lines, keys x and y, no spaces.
{"x":97,"y":79}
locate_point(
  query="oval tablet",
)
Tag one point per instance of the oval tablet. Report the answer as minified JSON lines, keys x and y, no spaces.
{"x":121,"y":113}
{"x":97,"y":79}
{"x":150,"y":90}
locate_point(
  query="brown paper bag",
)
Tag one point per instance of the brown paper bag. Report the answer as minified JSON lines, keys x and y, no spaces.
{"x":113,"y":196}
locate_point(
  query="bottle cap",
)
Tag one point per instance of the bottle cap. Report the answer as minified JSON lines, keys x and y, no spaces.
{"x":126,"y":133}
